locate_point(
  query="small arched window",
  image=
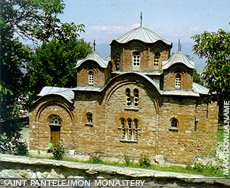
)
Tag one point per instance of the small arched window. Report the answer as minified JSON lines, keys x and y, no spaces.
{"x":174,"y":124}
{"x":156,"y":58}
{"x":55,"y":121}
{"x":132,"y":99}
{"x":129,"y":131}
{"x":90,"y":78}
{"x":136,"y":97}
{"x":136,"y":59}
{"x":128,"y":97}
{"x":136,"y":122}
{"x":89,"y":117}
{"x":178,"y":81}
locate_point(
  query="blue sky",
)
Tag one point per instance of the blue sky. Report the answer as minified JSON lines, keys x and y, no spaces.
{"x":106,"y":20}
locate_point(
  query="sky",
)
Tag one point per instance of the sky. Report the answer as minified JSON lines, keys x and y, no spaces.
{"x":106,"y":20}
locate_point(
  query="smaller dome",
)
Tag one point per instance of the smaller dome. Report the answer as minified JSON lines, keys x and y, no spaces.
{"x":178,"y":57}
{"x":142,"y":34}
{"x":93,"y":57}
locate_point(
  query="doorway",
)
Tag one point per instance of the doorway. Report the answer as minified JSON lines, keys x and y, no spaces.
{"x":55,"y":124}
{"x":55,"y":134}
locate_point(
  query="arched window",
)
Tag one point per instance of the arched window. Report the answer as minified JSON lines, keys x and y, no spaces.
{"x":156,"y":58}
{"x":132,"y":99}
{"x":90,"y":78}
{"x":55,"y":121}
{"x":129,"y":132}
{"x":178,"y":81}
{"x":136,"y":122}
{"x":174,"y":123}
{"x":136,"y":97}
{"x":128,"y":97}
{"x":136,"y":59}
{"x":89,"y":117}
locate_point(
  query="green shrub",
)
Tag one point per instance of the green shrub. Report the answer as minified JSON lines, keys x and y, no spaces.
{"x":220,"y":134}
{"x":144,"y":161}
{"x":21,"y":148}
{"x":95,"y":158}
{"x":50,"y":147}
{"x":58,"y":152}
{"x":128,"y":160}
{"x":209,"y":169}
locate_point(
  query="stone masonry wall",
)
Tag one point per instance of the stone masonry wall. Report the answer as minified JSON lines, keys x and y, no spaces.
{"x":100,"y":75}
{"x":206,"y":127}
{"x":124,"y":51}
{"x":186,"y":77}
{"x":116,"y":108}
{"x":154,"y":114}
{"x":177,"y":144}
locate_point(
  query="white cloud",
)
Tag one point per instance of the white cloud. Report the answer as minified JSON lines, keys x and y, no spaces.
{"x":111,"y":29}
{"x":105,"y":33}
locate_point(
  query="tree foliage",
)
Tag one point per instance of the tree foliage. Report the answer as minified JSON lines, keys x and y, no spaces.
{"x":33,"y":21}
{"x":37,"y":19}
{"x":54,"y":64}
{"x":215,"y":47}
{"x":197,"y":77}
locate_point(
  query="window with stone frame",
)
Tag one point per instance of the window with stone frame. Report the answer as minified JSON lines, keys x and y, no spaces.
{"x":129,"y":130}
{"x":174,"y":124}
{"x":136,"y":128}
{"x":89,"y":118}
{"x":132,"y":99}
{"x":136,"y":59}
{"x":136,"y":97}
{"x":156,"y":58}
{"x":128,"y":97}
{"x":91,"y":78}
{"x":178,"y":81}
{"x":55,"y":120}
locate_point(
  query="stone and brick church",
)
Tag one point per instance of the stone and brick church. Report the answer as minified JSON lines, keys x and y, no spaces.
{"x":140,"y":100}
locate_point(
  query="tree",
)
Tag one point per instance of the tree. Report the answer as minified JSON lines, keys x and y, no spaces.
{"x":215,"y":47}
{"x":54,"y":64}
{"x":197,"y":77}
{"x":12,"y":54}
{"x":35,"y":21}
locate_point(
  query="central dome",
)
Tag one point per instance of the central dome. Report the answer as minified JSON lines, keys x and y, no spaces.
{"x":142,"y":34}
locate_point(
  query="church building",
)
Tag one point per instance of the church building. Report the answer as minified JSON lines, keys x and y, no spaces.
{"x":140,"y":100}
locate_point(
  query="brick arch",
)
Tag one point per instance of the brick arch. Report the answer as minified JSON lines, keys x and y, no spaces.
{"x":40,"y":130}
{"x":131,"y":78}
{"x":67,"y":107}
